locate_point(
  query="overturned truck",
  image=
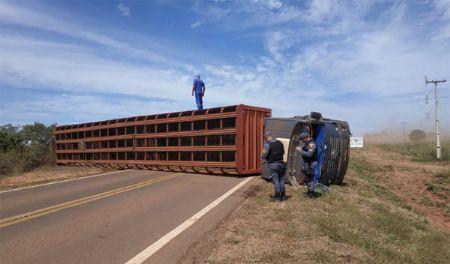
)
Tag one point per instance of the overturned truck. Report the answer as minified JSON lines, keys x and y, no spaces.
{"x":222,"y":140}
{"x":333,"y":146}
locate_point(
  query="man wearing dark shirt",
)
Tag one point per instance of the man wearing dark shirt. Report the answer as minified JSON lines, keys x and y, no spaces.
{"x":273,"y":153}
{"x":198,"y":89}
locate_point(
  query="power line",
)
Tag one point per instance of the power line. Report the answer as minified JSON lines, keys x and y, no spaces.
{"x":436,"y":113}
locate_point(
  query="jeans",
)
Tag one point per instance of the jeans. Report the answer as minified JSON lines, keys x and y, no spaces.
{"x":278,"y":177}
{"x":199,"y":101}
{"x":311,"y":184}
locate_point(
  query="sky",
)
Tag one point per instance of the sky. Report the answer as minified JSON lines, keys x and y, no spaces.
{"x":361,"y":61}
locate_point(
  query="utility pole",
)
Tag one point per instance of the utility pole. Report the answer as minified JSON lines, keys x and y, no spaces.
{"x":436,"y":113}
{"x":404,"y":135}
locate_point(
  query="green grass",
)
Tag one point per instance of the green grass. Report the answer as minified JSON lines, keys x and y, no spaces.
{"x":420,"y":151}
{"x":381,"y":229}
{"x":370,"y":181}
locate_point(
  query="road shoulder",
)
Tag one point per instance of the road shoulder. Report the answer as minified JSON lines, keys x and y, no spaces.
{"x":48,"y":174}
{"x":179,"y":249}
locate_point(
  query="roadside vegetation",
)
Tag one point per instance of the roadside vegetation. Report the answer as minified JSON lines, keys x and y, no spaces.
{"x":373,"y":218}
{"x":26,"y":148}
{"x":440,"y":184}
{"x":420,"y":151}
{"x":26,"y":157}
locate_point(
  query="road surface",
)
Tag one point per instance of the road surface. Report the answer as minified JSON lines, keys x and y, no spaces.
{"x":110,"y":218}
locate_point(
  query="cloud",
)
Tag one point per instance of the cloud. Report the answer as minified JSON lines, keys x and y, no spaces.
{"x":11,"y":14}
{"x":276,"y":42}
{"x":358,"y":65}
{"x":123,"y":9}
{"x":334,"y":52}
{"x":196,"y":24}
{"x":31,"y":63}
{"x":442,"y":7}
{"x":321,"y":10}
{"x":75,"y":108}
{"x":271,"y":4}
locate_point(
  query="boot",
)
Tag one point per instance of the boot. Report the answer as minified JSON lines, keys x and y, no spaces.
{"x":283,"y":196}
{"x":275,"y":198}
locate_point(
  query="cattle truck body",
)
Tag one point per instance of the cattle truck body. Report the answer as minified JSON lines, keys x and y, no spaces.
{"x":224,"y":140}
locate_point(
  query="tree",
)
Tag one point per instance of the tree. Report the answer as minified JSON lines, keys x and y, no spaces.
{"x":38,"y":137}
{"x":10,"y":138}
{"x":38,"y":134}
{"x":417,"y":135}
{"x":26,"y":148}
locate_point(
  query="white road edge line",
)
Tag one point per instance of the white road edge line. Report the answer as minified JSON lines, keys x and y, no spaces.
{"x":153,"y":248}
{"x":74,"y":179}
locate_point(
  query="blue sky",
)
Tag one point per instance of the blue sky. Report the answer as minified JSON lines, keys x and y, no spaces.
{"x":360,"y":61}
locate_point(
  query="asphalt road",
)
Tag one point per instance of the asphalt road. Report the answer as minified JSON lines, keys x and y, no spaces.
{"x":109,"y":218}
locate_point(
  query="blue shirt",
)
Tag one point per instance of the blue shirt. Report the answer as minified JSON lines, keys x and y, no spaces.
{"x":199,"y":85}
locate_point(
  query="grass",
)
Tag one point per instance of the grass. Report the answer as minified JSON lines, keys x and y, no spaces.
{"x":420,"y":151}
{"x":369,"y":181}
{"x":47,"y":173}
{"x":383,"y":230}
{"x":439,"y":184}
{"x":362,"y":222}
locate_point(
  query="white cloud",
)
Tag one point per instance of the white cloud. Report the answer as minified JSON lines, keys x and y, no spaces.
{"x":385,"y":59}
{"x":11,"y":14}
{"x":69,"y":108}
{"x":277,"y":42}
{"x":442,"y":7}
{"x":321,"y":10}
{"x":271,"y":4}
{"x":123,"y":9}
{"x":32,"y":63}
{"x":308,"y":65}
{"x":196,"y":24}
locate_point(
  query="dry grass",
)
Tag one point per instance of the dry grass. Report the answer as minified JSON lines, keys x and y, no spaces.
{"x":46,"y":174}
{"x":364,"y":221}
{"x":420,"y":151}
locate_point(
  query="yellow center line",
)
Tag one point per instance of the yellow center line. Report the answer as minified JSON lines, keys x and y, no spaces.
{"x":54,"y":208}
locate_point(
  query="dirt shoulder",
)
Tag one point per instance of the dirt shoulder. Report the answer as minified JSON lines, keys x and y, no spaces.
{"x":47,"y":174}
{"x":370,"y":219}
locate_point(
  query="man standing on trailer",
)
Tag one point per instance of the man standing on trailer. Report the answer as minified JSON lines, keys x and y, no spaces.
{"x":198,"y":88}
{"x":273,"y":153}
{"x":308,"y":151}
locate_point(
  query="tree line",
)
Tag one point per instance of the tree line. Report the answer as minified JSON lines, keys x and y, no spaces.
{"x":25,"y":148}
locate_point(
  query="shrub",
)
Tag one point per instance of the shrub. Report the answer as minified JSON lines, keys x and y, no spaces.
{"x":417,"y":135}
{"x":6,"y":164}
{"x":25,"y":149}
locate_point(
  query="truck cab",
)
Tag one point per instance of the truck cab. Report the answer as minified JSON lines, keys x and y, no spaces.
{"x":333,"y":146}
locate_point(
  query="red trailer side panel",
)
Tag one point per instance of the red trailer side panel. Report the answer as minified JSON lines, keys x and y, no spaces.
{"x":224,"y":140}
